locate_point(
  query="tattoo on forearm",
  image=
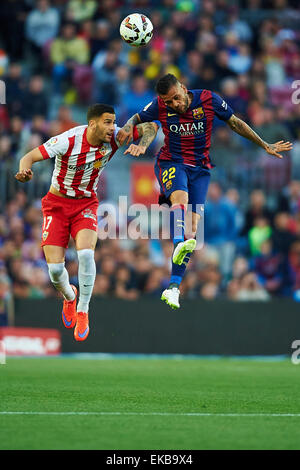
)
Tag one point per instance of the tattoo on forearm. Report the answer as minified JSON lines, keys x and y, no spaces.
{"x":133,"y":121}
{"x":242,"y":128}
{"x":149,"y":133}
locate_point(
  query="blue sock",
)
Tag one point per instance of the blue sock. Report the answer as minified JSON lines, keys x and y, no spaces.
{"x":178,"y":271}
{"x":177,"y":225}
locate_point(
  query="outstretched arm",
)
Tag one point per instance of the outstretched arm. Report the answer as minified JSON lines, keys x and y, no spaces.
{"x":147,"y":131}
{"x":241,"y":127}
{"x":25,"y":172}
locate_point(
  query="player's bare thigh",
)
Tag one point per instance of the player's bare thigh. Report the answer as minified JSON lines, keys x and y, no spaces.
{"x":86,"y":239}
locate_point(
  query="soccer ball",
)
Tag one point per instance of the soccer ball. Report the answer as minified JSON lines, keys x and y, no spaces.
{"x":136,"y":29}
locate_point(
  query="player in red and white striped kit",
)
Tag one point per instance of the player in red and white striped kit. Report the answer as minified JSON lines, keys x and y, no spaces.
{"x":70,"y":206}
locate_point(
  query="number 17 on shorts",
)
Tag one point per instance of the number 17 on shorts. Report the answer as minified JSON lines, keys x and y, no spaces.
{"x":46,"y":225}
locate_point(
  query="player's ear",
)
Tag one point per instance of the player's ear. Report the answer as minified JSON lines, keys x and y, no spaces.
{"x":183,"y":87}
{"x":92,"y":123}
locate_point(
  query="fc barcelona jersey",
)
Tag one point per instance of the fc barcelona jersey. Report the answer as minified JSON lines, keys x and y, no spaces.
{"x":188,"y":135}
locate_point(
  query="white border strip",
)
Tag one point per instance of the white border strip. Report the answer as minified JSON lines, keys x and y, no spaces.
{"x":154,"y":413}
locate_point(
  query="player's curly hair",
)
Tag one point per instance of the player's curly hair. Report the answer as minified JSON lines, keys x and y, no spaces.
{"x":96,"y":110}
{"x":165,"y":83}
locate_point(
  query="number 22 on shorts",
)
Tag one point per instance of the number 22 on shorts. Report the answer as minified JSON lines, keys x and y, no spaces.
{"x":168,"y":174}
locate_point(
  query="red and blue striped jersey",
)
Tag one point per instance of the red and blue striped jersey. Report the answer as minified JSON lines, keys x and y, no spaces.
{"x":188,"y":135}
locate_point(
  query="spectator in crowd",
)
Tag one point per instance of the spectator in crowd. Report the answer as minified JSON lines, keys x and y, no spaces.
{"x":220,"y":226}
{"x":226,"y":155}
{"x":14,"y":89}
{"x":292,"y":271}
{"x":241,"y":61}
{"x":64,"y":119}
{"x":236,"y":25}
{"x":289,"y":198}
{"x":13,"y":14}
{"x":124,"y":284}
{"x":154,"y":283}
{"x":257,"y":208}
{"x":240,"y":267}
{"x":5,"y":149}
{"x":67,"y":51}
{"x":250,"y":289}
{"x":209,"y":291}
{"x":104,"y":74}
{"x":41,"y":26}
{"x":260,"y":232}
{"x":230,"y":93}
{"x":35,"y":100}
{"x":138,"y":96}
{"x":101,"y":286}
{"x":99,"y":40}
{"x":282,"y":233}
{"x":39,"y":126}
{"x":268,"y":267}
{"x":189,"y":287}
{"x":271,"y":130}
{"x":222,"y":66}
{"x":81,"y":10}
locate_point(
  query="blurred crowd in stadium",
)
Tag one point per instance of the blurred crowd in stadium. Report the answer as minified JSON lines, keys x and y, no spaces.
{"x":58,"y":56}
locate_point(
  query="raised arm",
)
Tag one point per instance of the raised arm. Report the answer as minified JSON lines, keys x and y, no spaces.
{"x":147,"y":131}
{"x":241,"y":127}
{"x":25,"y":172}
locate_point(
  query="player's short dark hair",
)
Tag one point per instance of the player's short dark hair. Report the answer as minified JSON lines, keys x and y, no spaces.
{"x":96,"y":110}
{"x":165,"y":83}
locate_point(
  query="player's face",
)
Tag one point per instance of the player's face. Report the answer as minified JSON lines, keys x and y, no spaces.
{"x":104,"y":127}
{"x":177,"y":98}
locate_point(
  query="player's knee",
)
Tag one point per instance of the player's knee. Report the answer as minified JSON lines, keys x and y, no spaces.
{"x":86,"y":258}
{"x":55,"y":270}
{"x":179,"y":197}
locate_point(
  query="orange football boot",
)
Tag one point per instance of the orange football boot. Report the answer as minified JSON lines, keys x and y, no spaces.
{"x":69,"y":313}
{"x":82,"y":329}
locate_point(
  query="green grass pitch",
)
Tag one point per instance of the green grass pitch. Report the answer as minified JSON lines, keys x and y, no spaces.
{"x":128,"y":403}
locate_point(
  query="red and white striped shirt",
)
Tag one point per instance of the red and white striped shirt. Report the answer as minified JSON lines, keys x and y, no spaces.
{"x":78,"y":165}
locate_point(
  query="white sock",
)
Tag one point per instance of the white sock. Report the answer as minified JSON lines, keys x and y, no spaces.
{"x":60,"y":279}
{"x":86,"y":278}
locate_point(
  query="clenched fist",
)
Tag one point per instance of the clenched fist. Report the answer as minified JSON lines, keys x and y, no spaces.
{"x":24,"y":175}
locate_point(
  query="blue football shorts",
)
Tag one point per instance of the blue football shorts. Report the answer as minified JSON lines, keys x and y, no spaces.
{"x":178,"y":176}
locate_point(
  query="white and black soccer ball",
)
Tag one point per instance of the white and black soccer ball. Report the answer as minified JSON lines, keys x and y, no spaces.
{"x":136,"y":29}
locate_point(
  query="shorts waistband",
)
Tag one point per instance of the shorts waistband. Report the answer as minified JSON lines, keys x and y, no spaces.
{"x":70,"y":198}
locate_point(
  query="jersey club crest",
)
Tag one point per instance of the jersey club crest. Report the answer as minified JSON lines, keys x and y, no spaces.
{"x":198,"y":113}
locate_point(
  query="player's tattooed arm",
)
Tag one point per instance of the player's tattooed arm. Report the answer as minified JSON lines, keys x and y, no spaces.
{"x":242,"y":128}
{"x":25,"y":172}
{"x":126,"y":133}
{"x":147,"y":131}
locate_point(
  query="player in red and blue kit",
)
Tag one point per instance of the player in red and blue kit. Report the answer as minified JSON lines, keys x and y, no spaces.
{"x":183,"y":163}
